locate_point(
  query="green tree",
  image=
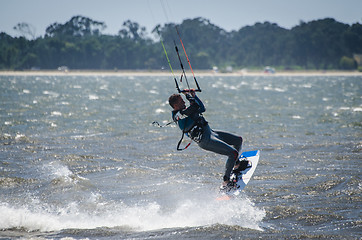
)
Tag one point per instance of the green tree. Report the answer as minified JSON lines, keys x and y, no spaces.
{"x":132,"y":30}
{"x":79,"y":44}
{"x":200,"y":38}
{"x":25,"y":29}
{"x":319,"y":44}
{"x":353,"y":38}
{"x":259,"y":45}
{"x":77,"y":26}
{"x":347,"y":63}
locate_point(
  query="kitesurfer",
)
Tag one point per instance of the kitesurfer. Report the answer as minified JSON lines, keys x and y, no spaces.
{"x":193,"y":124}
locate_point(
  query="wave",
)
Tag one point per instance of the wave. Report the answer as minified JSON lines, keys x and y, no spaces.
{"x":93,"y":213}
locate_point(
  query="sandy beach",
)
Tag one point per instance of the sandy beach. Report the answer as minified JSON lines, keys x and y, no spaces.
{"x":168,"y":73}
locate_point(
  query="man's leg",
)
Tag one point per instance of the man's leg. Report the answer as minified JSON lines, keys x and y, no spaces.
{"x":212,"y":142}
{"x":231,"y":139}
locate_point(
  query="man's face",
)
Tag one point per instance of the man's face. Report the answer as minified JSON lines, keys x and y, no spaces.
{"x":180,"y":104}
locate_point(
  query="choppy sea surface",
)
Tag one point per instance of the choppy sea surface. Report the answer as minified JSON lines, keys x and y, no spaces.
{"x":80,"y":159}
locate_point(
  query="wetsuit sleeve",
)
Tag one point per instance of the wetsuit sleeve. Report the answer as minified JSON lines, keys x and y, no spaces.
{"x":196,"y":106}
{"x":202,"y":107}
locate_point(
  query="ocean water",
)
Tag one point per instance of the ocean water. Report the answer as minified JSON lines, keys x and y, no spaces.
{"x":80,"y":159}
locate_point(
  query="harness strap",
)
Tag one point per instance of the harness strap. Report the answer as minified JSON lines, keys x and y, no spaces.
{"x":179,"y":143}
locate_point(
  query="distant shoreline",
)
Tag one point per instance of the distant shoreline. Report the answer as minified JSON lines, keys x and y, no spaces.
{"x":206,"y":73}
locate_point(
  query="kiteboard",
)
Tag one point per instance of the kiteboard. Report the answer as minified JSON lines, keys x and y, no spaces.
{"x":242,"y":179}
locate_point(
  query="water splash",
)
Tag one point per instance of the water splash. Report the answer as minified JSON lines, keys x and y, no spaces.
{"x":139,"y":217}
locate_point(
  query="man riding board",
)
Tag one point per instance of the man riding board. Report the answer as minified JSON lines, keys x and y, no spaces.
{"x":193,"y":124}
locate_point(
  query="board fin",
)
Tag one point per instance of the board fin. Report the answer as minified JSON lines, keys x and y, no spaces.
{"x":224,"y":198}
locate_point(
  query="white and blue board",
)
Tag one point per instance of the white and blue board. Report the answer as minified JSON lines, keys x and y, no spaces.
{"x":245,"y":176}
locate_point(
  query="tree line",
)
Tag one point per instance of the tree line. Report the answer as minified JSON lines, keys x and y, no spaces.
{"x":80,"y":44}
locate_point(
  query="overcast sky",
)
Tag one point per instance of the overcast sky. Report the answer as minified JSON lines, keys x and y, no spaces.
{"x":227,"y":14}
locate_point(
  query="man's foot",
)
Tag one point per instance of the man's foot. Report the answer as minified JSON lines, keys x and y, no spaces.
{"x":227,"y":187}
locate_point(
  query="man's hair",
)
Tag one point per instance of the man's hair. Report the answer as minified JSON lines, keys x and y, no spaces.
{"x":173,"y":99}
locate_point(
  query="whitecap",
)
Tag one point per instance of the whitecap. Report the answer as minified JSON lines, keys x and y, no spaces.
{"x":50,"y":93}
{"x":57,"y":170}
{"x":104,"y":87}
{"x":19,"y":136}
{"x":279,"y":90}
{"x":159,"y":110}
{"x":93,"y":97}
{"x":269,"y":88}
{"x":56,"y":113}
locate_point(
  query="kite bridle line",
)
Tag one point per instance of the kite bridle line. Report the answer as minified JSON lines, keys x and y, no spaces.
{"x":168,"y":60}
{"x":188,"y":60}
{"x":182,"y":67}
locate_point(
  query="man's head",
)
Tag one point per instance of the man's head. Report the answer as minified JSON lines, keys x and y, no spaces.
{"x":176,"y":102}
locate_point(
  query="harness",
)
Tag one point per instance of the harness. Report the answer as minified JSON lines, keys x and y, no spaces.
{"x":195,"y":132}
